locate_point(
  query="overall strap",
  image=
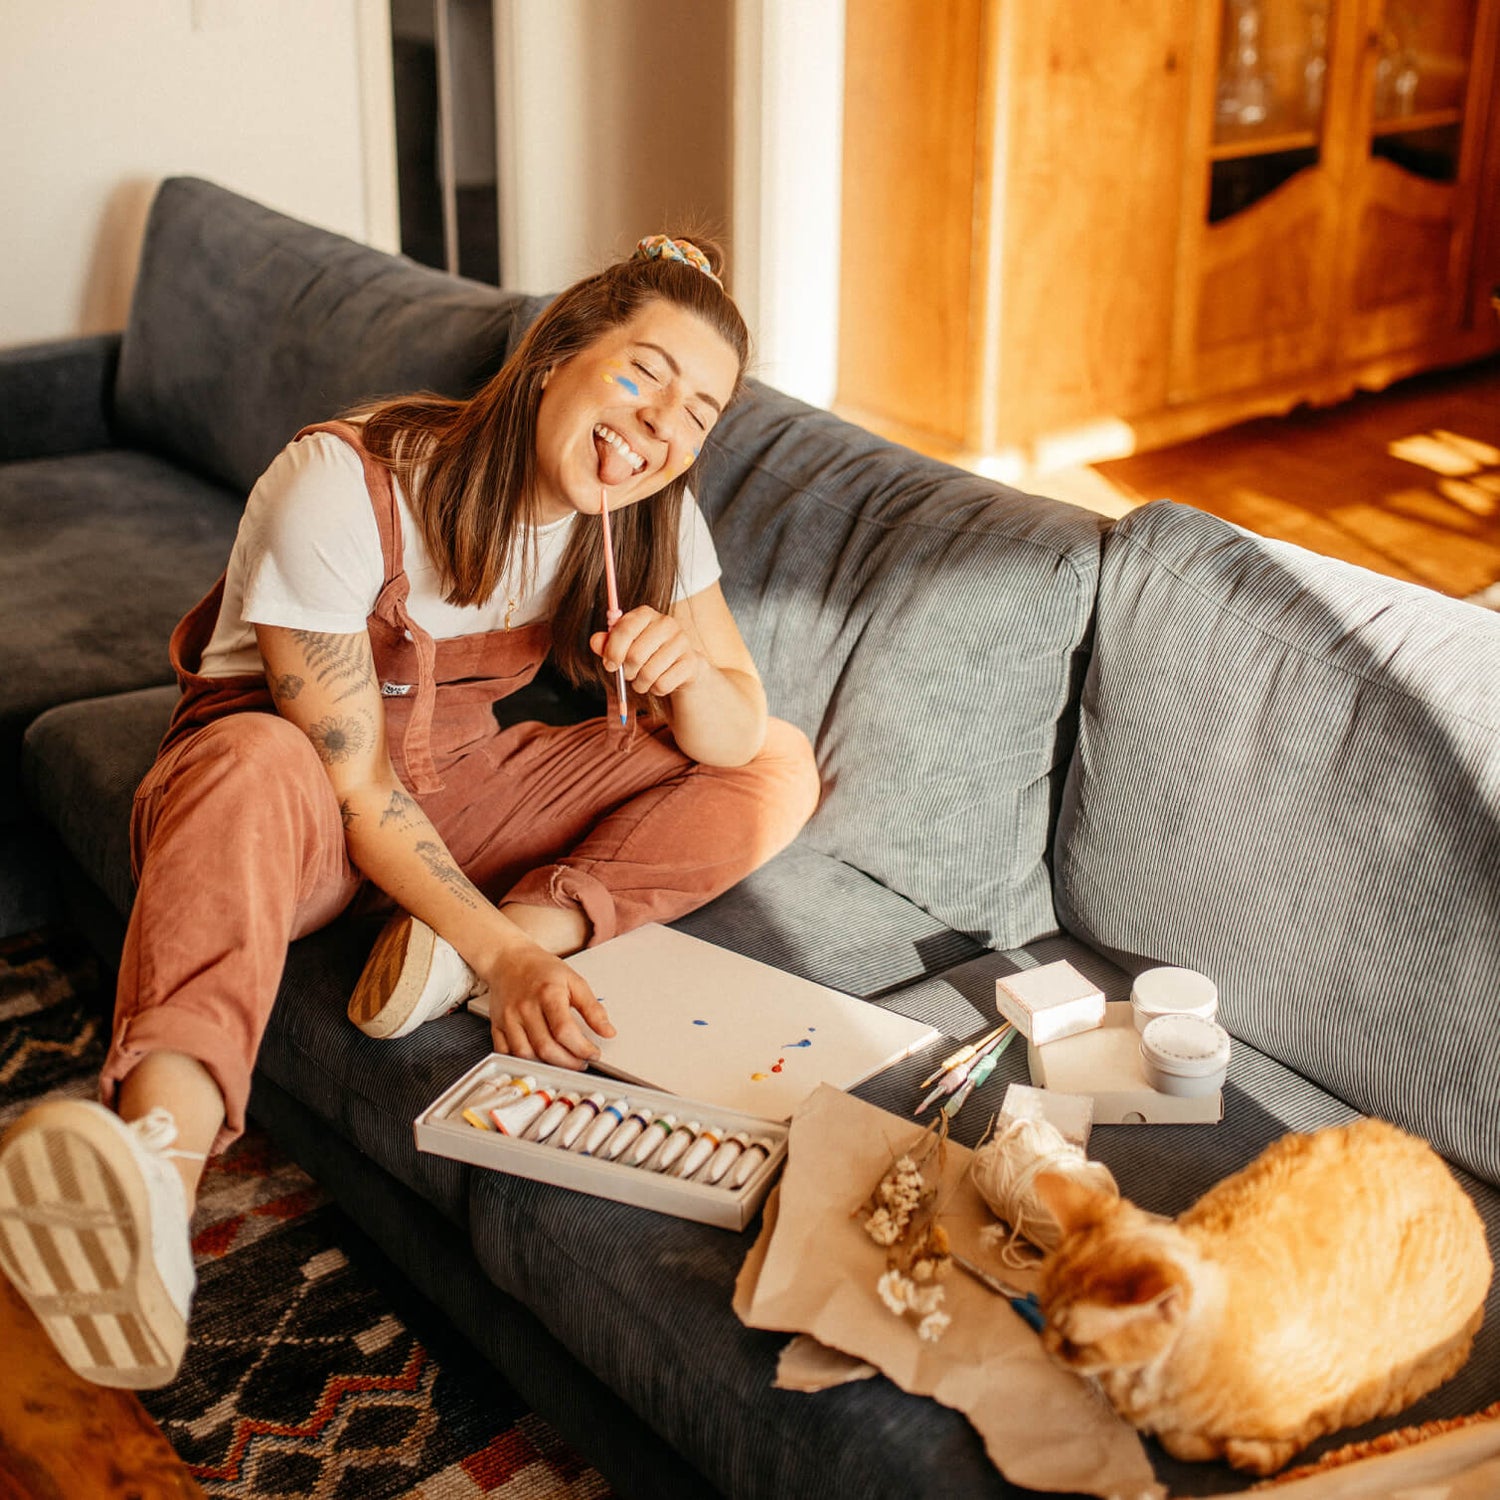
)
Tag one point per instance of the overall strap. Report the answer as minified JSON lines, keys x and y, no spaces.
{"x":391,"y":608}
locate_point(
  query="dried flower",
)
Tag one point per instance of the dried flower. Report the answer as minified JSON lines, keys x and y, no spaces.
{"x":933,"y":1326}
{"x":901,"y":1215}
{"x":894,"y":1291}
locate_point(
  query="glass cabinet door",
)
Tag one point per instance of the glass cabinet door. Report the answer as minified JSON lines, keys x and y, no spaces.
{"x":1270,"y":98}
{"x":1415,"y":147}
{"x":1421,"y":84}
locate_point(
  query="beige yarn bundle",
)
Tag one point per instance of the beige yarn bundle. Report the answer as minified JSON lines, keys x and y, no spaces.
{"x":1005,"y":1168}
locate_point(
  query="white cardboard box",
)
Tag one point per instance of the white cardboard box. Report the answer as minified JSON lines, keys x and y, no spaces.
{"x":438,"y":1132}
{"x":1106,"y":1064}
{"x":1050,"y":1002}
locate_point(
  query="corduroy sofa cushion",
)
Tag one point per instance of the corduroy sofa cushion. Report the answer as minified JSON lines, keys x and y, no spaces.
{"x":1288,"y":776}
{"x":246,"y":325}
{"x":926,"y":629}
{"x":103,"y":553}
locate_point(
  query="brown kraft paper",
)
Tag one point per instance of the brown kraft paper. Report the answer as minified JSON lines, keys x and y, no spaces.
{"x":813,"y":1271}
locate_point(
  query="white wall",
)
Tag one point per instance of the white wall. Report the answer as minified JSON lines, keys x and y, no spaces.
{"x":614,"y":122}
{"x":788,"y":160}
{"x":616,"y":118}
{"x":100,"y":99}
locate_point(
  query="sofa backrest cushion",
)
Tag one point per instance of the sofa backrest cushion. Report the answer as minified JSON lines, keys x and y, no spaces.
{"x":1287,"y":776}
{"x":926,"y":628}
{"x":246,"y":325}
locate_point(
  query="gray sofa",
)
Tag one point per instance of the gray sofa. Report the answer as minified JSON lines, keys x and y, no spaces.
{"x":1164,"y":740}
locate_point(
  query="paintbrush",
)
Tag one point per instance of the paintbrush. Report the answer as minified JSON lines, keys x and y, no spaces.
{"x":963,"y":1054}
{"x":612,"y":597}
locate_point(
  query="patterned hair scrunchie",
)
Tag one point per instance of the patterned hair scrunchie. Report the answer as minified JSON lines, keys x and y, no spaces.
{"x":663,"y":246}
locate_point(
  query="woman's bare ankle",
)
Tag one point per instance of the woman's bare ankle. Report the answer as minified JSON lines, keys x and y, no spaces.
{"x":186,"y":1090}
{"x":559,"y":929}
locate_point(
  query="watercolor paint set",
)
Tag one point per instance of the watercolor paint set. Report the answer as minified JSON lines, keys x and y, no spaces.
{"x":616,"y":1140}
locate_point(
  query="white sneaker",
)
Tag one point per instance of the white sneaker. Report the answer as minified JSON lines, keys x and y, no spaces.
{"x":411,"y":976}
{"x":94,"y":1235}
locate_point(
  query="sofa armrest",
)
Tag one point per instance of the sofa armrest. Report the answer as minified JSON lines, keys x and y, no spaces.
{"x":56,"y":397}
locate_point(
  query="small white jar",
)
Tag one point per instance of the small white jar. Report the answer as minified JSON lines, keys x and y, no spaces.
{"x":1185,"y":1055}
{"x":1173,"y":992}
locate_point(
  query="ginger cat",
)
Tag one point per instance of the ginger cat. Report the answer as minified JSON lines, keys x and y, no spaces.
{"x":1337,"y":1278}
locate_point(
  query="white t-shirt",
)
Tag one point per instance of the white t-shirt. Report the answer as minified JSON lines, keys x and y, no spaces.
{"x":308,"y":557}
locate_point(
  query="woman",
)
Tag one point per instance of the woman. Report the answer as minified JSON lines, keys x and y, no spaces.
{"x":394,"y":575}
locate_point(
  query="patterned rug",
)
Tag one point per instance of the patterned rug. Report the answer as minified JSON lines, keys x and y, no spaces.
{"x":312,"y":1371}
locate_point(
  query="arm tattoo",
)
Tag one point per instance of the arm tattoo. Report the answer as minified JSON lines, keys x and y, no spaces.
{"x":338,"y":661}
{"x":440,"y":864}
{"x":347,"y":813}
{"x":339,"y":736}
{"x":286,"y":687}
{"x":400,"y":810}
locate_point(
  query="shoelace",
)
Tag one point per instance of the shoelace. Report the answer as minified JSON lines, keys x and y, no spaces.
{"x":157,"y":1129}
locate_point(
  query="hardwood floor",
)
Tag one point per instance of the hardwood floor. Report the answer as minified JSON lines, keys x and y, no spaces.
{"x":62,"y":1438}
{"x":1406,"y":481}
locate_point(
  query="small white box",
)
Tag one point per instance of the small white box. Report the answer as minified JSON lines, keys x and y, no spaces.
{"x":1072,"y":1115}
{"x":1050,"y":1002}
{"x":440,"y":1132}
{"x":1106,"y":1064}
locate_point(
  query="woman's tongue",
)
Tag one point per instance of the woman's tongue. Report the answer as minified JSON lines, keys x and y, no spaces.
{"x":614,"y":467}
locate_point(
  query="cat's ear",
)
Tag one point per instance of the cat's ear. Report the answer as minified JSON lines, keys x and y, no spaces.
{"x":1145,"y":1286}
{"x":1073,"y":1204}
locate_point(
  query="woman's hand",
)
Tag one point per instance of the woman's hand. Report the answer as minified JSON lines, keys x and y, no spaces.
{"x":696,"y":663}
{"x":658,"y":655}
{"x":540,"y":1008}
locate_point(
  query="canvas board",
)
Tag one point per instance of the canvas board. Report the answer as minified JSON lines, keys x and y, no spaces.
{"x":701,"y":1021}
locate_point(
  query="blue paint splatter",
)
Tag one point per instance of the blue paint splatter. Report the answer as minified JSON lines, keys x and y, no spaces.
{"x":700,"y":1023}
{"x":805,"y":1042}
{"x":629,"y":385}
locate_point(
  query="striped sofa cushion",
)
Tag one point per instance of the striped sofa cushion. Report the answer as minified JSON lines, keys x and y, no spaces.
{"x":1287,"y":775}
{"x":926,"y":628}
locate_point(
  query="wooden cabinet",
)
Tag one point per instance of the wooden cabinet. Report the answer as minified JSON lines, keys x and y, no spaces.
{"x":1071,"y":231}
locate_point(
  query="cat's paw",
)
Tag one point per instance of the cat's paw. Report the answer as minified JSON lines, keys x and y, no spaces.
{"x":1191,"y":1447}
{"x":1259,"y":1455}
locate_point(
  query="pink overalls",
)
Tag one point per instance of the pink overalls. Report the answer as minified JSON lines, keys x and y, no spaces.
{"x":238,"y":847}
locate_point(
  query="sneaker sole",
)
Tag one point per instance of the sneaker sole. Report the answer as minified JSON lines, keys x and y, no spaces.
{"x":75,"y":1242}
{"x":390,"y":988}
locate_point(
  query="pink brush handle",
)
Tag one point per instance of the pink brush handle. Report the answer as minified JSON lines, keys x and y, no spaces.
{"x":612,"y":596}
{"x":610,"y":590}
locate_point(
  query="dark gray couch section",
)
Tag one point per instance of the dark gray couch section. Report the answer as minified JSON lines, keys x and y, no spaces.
{"x":1288,"y":776}
{"x":57,"y":397}
{"x":927,"y":630}
{"x":338,"y":323}
{"x":104,"y":552}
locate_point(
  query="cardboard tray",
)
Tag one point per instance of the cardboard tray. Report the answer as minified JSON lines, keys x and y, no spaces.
{"x":1105,"y":1064}
{"x":443,"y":1135}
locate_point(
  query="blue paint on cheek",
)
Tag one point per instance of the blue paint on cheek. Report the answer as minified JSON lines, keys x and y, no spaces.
{"x":629,"y":385}
{"x":700,"y":1023}
{"x":805,"y":1042}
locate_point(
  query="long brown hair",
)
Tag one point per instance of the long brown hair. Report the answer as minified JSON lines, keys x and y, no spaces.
{"x":469,"y":466}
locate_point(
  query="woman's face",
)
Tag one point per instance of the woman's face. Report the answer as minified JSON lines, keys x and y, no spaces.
{"x":630,"y":412}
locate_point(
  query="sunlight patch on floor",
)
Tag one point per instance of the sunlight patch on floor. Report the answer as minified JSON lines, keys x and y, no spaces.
{"x":1444,"y":453}
{"x":1474,"y":495}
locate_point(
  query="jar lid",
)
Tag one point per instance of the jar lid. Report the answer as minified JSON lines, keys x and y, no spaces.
{"x":1187,"y":1046}
{"x":1168,"y":991}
